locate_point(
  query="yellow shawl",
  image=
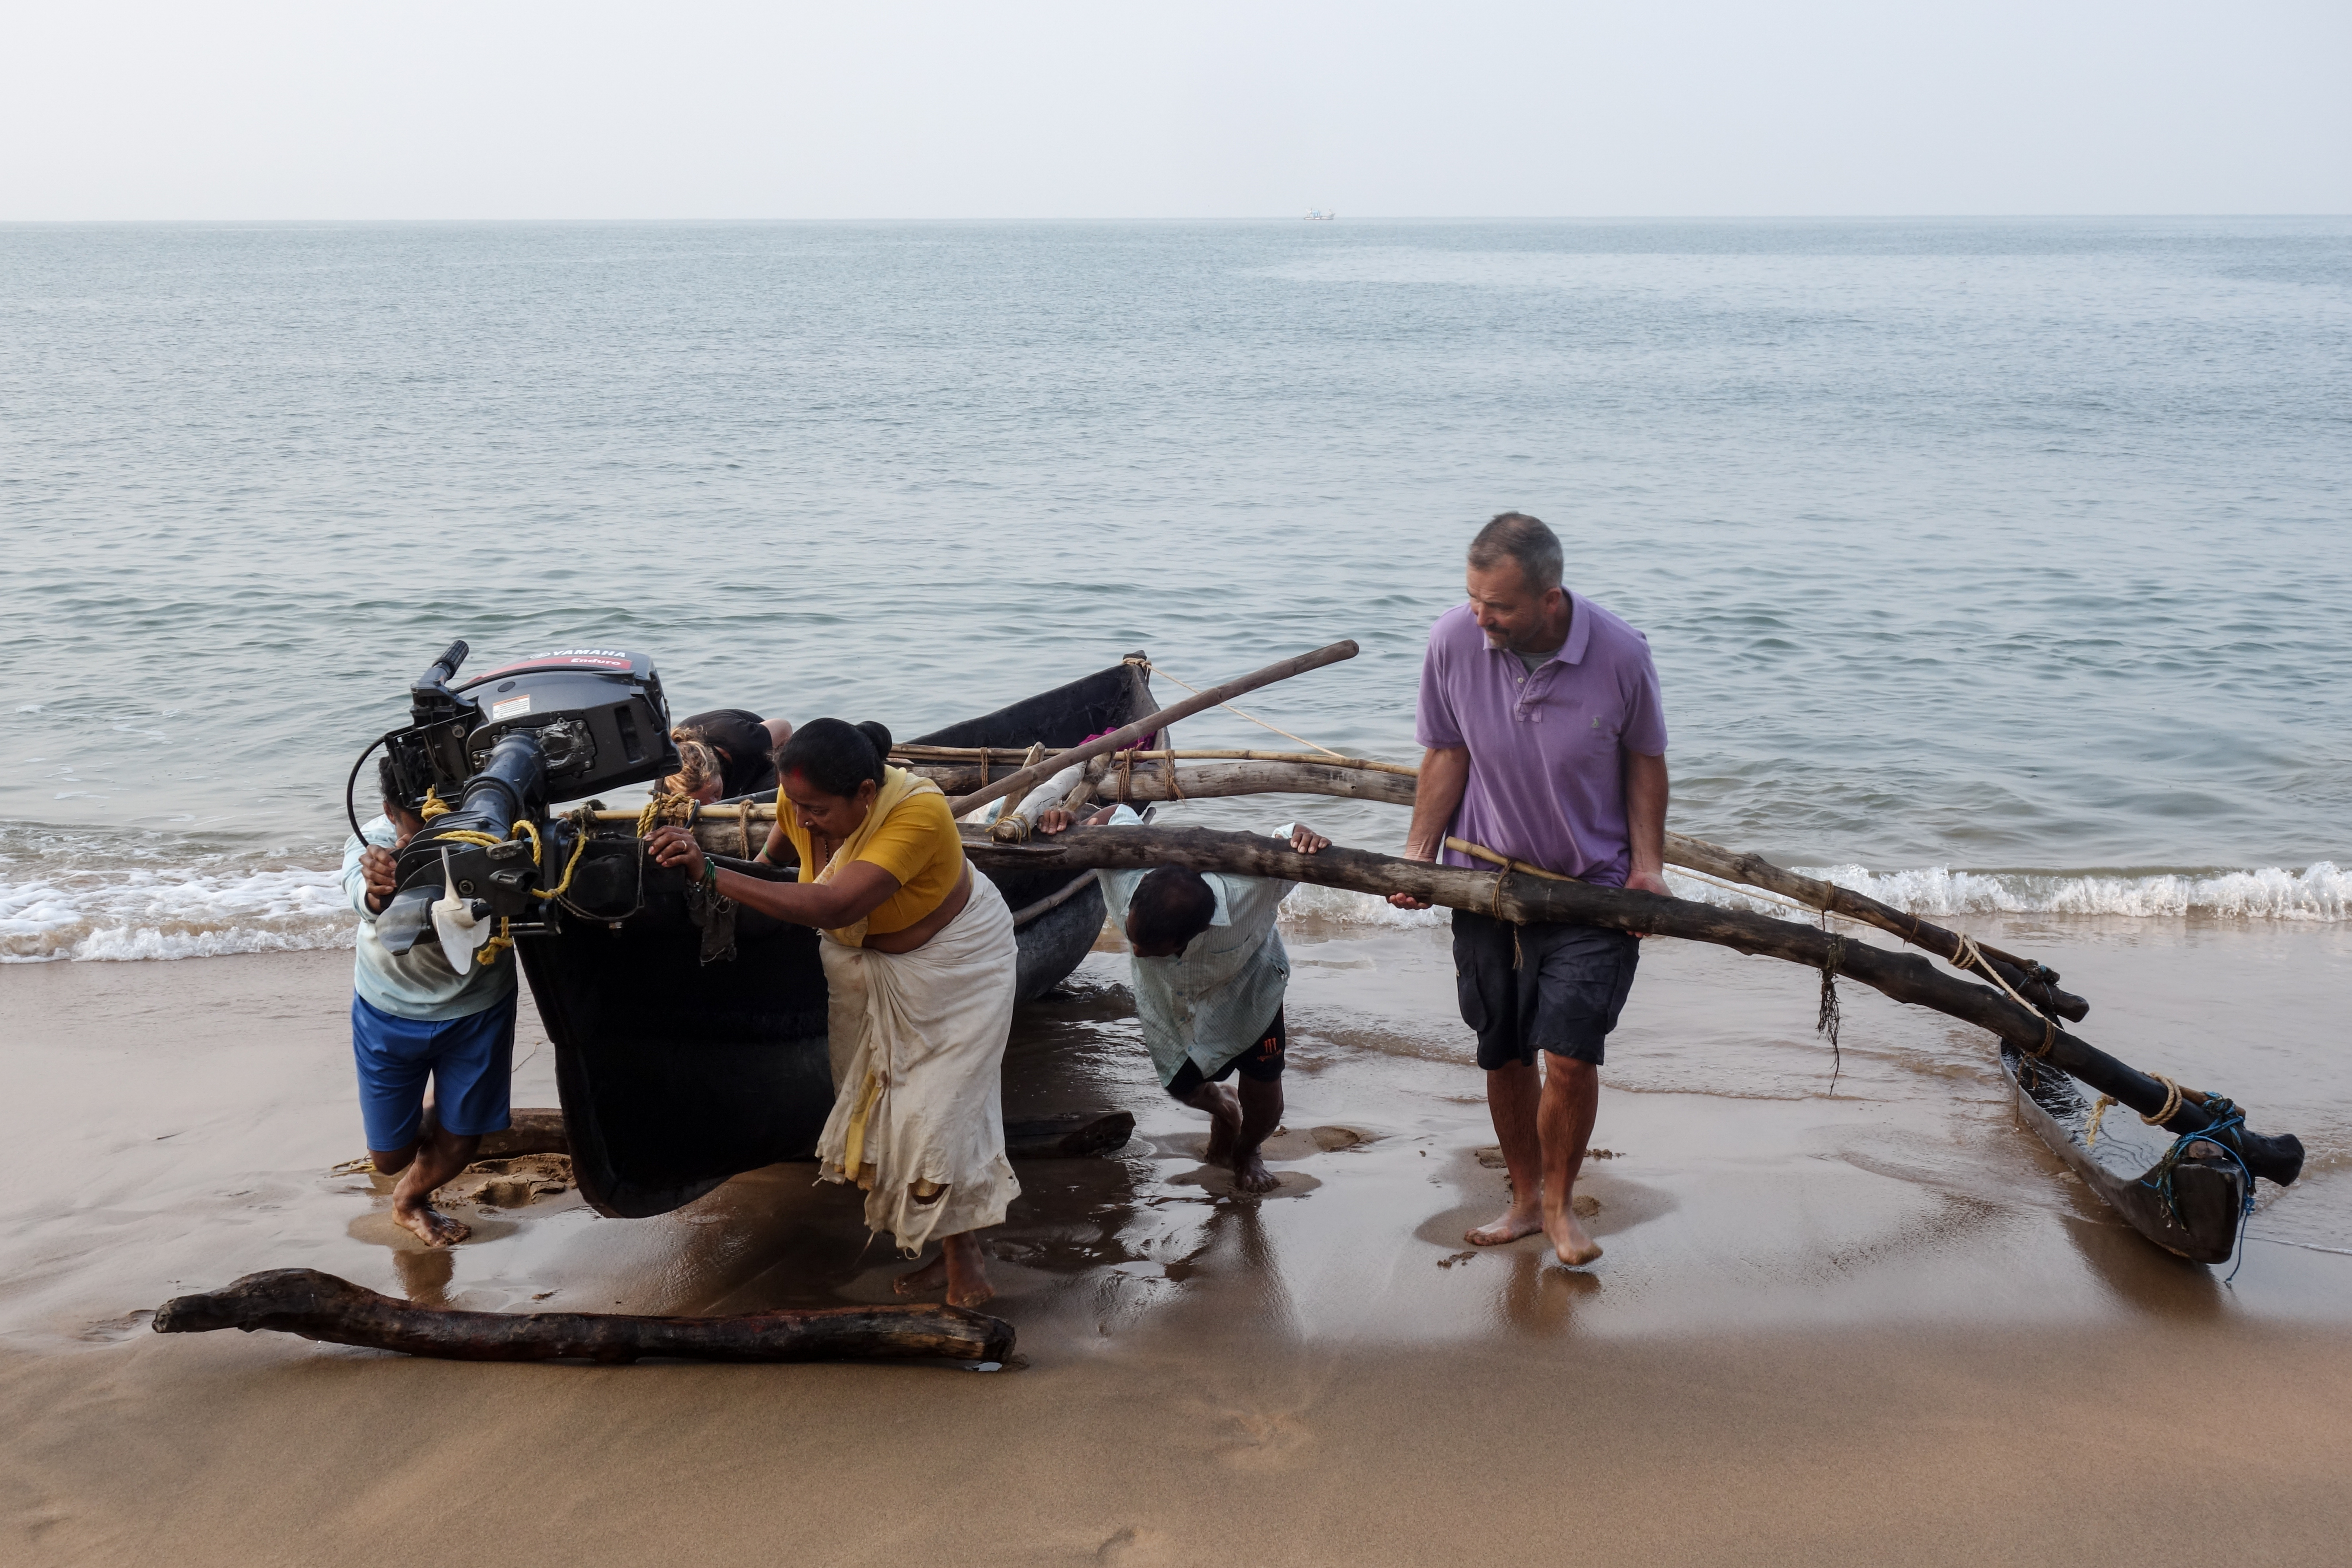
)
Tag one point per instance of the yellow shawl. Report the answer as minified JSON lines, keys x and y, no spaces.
{"x":898,"y":786}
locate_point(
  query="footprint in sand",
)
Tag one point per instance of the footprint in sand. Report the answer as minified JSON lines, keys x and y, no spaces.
{"x":510,"y":1184}
{"x":1266,"y":1440}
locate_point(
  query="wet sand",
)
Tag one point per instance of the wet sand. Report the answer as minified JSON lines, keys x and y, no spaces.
{"x":1881,"y":1327}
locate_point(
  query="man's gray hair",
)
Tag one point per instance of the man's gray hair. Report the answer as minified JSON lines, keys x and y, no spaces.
{"x":1516,"y":536}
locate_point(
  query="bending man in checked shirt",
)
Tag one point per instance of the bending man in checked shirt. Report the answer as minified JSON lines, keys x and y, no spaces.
{"x":1210,"y":974}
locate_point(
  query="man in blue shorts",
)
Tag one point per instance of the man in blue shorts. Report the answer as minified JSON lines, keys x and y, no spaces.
{"x":413,"y":1018}
{"x":1545,"y":742}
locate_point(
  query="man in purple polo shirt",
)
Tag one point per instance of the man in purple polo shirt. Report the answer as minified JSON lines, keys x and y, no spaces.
{"x":1544,"y":742}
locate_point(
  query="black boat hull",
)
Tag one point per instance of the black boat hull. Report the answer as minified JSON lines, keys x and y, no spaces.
{"x":676,"y":1075}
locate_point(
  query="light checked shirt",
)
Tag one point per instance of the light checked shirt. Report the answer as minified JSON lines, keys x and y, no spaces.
{"x":1214,"y":1001}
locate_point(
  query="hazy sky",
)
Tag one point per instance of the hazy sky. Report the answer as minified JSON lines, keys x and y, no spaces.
{"x":235,"y":108}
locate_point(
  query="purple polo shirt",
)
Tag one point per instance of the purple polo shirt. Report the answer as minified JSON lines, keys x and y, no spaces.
{"x":1546,"y":766}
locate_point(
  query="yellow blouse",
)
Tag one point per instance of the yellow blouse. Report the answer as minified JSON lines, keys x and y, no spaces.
{"x":909,"y":833}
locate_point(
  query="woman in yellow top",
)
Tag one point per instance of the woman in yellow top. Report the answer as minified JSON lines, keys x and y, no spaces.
{"x":920,"y":960}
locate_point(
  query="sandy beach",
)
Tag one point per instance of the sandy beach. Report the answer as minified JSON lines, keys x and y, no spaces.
{"x":1878,"y":1327}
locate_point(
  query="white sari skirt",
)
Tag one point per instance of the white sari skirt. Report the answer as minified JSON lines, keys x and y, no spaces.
{"x":918,"y":1046}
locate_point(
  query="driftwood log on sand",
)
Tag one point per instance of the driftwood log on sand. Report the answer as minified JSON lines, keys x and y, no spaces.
{"x":1514,"y":896}
{"x":321,"y":1307}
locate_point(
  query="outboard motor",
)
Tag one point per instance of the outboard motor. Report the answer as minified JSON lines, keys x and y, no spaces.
{"x":495,"y":754}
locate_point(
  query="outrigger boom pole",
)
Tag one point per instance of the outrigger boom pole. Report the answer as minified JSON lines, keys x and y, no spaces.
{"x":1515,"y":896}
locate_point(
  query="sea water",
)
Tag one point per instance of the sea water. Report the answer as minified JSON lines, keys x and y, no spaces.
{"x":1990,"y":566}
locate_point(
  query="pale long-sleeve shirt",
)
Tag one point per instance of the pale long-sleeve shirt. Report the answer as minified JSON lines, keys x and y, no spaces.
{"x":418,"y":983}
{"x":1214,"y":1000}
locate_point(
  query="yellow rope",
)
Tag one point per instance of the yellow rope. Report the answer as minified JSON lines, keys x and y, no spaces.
{"x":526,"y":828}
{"x":579,"y":848}
{"x":1746,"y":892}
{"x":1231,"y":709}
{"x":2173,"y":1096}
{"x":1971,"y":959}
{"x":434,"y":805}
{"x":681,"y":808}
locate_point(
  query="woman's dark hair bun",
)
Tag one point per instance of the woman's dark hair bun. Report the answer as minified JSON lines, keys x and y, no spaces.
{"x":834,"y":755}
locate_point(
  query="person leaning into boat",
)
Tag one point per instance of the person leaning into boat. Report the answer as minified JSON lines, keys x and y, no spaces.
{"x":1545,"y":742}
{"x":919,"y":962}
{"x":413,"y":1018}
{"x":726,"y":753}
{"x":1210,"y":973}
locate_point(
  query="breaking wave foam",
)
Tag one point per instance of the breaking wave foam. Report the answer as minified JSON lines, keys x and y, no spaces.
{"x":171,"y":912}
{"x":2321,"y":893}
{"x":228,"y":903}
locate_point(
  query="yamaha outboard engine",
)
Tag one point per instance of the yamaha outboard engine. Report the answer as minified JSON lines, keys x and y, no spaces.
{"x":496,"y":752}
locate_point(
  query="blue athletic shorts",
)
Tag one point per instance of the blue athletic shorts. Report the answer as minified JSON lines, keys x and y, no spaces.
{"x":469,"y":1060}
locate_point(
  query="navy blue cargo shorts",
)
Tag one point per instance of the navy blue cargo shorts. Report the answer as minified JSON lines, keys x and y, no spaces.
{"x":1556,"y":988}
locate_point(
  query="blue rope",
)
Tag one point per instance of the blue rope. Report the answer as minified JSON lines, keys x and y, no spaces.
{"x":2227,"y":1118}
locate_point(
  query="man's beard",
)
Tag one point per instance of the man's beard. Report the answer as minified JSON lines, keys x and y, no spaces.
{"x":1505,"y":642}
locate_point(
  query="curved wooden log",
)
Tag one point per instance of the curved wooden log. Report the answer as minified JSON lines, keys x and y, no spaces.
{"x":2037,"y":982}
{"x":1515,"y":897}
{"x":1127,"y":735}
{"x":923,"y":759}
{"x":321,"y":1307}
{"x":1147,"y":780}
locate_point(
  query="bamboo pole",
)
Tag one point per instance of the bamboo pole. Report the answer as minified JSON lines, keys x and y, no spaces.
{"x":1106,"y":745}
{"x":1511,"y":896}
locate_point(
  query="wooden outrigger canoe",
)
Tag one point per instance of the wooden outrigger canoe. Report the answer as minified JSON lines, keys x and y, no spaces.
{"x":2191,"y":1205}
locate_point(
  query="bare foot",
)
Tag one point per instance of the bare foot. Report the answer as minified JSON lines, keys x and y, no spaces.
{"x":1568,"y":1238}
{"x":967,"y":1270}
{"x":431,"y":1227}
{"x":1250,"y":1174}
{"x":1225,"y":1109}
{"x":1516,"y":1223}
{"x":927,"y":1278}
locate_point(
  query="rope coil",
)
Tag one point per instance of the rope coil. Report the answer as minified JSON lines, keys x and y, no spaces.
{"x":2174,"y":1098}
{"x":1969,"y":959}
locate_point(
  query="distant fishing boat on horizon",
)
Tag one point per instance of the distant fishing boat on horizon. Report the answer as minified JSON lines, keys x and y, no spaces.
{"x":1317,"y":215}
